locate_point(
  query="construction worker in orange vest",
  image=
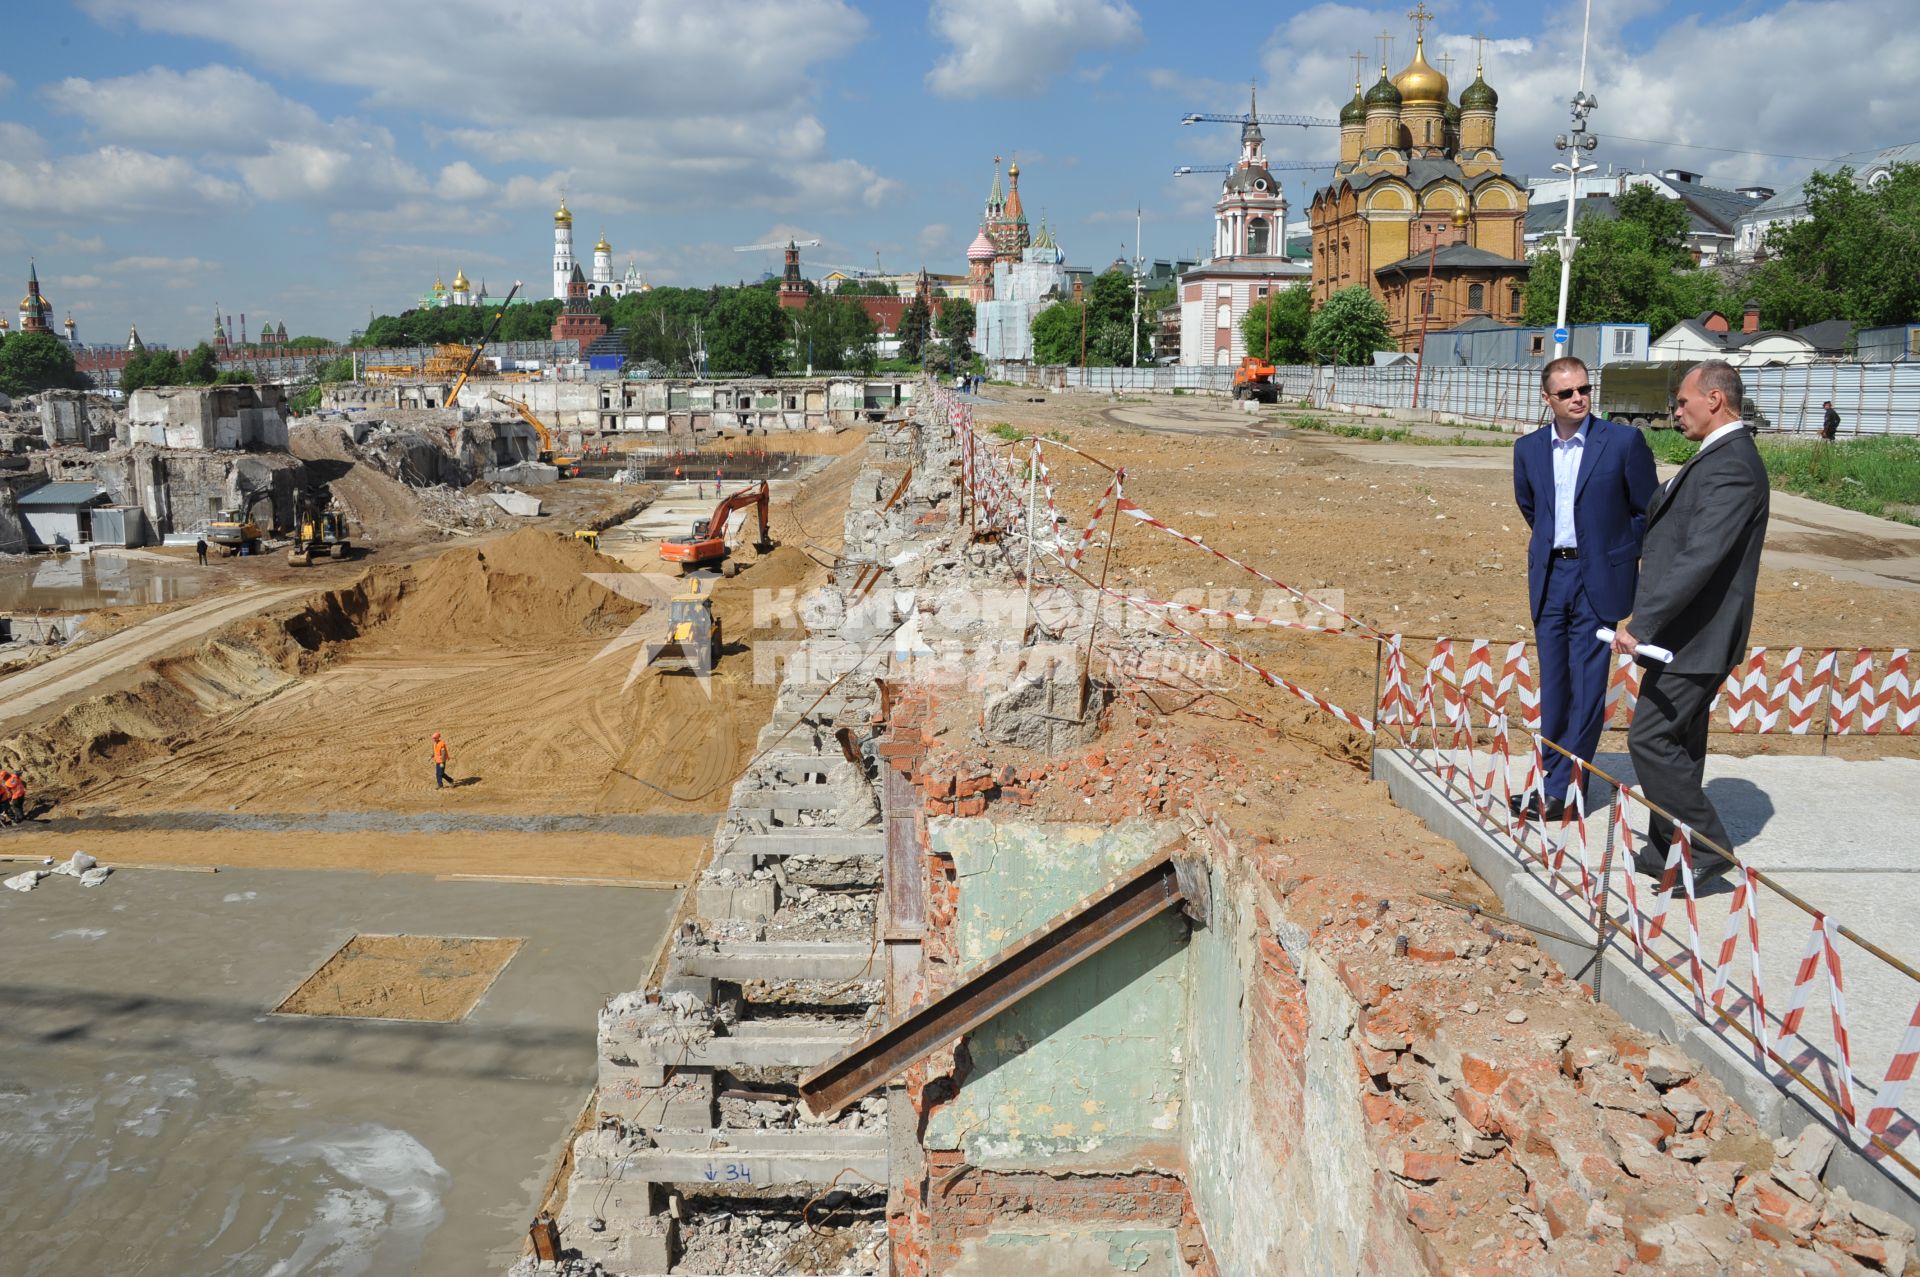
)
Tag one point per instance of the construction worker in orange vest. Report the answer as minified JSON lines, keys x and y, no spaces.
{"x":13,"y":795}
{"x":439,"y":761}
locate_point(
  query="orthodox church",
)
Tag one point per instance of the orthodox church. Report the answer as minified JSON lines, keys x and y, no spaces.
{"x":1249,"y":259}
{"x":601,"y":282}
{"x":1013,"y":273}
{"x":1420,"y":208}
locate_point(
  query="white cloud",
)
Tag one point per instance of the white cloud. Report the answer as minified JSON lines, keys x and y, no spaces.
{"x":19,"y":142}
{"x":62,"y":283}
{"x":211,"y":109}
{"x":151,"y":265}
{"x":1017,"y":47}
{"x":355,"y":173}
{"x":624,"y":57}
{"x":113,"y":183}
{"x":462,"y":181}
{"x":282,"y":149}
{"x":6,"y":84}
{"x":1657,"y":90}
{"x":935,"y":238}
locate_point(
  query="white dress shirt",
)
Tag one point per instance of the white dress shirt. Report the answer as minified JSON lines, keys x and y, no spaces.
{"x":1567,"y":454}
{"x":1721,"y":432}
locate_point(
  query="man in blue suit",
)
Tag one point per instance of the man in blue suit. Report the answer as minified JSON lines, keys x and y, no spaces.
{"x":1583,"y":484}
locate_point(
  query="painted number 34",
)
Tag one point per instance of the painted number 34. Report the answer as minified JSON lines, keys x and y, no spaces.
{"x":730,"y":1173}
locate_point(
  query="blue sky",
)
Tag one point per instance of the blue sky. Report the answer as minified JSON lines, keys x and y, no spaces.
{"x":308,"y":163}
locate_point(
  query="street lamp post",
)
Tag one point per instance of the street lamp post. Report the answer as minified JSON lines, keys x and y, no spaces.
{"x":1573,"y":144}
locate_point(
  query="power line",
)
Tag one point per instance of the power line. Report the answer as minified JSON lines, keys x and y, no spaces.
{"x":1730,"y":150}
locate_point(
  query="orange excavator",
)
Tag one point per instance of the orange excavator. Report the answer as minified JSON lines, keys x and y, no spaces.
{"x":707,"y":545}
{"x":1253,"y":379}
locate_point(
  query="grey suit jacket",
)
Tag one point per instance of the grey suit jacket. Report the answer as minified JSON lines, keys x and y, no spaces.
{"x":1701,"y":558}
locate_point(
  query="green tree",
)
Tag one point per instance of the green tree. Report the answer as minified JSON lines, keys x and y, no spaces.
{"x":200,"y":366}
{"x":1056,"y":334}
{"x":1853,"y":258}
{"x":1110,"y":327}
{"x":1625,"y":270}
{"x":1350,"y":327}
{"x":956,"y":328}
{"x":150,"y":368}
{"x":36,"y":361}
{"x":832,"y":331}
{"x":234,"y":377}
{"x":1665,"y":221}
{"x":664,"y":327}
{"x":746,"y":333}
{"x":916,"y":326}
{"x":1275,"y":328}
{"x":310,"y":343}
{"x":532,"y":321}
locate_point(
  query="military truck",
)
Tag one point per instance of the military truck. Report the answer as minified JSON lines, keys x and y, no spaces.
{"x":1642,"y":395}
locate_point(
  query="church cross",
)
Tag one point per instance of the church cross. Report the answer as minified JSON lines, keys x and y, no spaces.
{"x":1479,"y":54}
{"x":1420,"y":18}
{"x":1359,"y":57}
{"x":1386,"y":49}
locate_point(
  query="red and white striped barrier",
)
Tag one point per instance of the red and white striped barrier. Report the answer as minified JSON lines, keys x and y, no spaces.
{"x":1751,"y":700}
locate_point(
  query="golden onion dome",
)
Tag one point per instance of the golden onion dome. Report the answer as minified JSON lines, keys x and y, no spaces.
{"x":561,"y":217}
{"x":460,"y":284}
{"x":439,"y":285}
{"x":602,"y":246}
{"x":1420,"y":82}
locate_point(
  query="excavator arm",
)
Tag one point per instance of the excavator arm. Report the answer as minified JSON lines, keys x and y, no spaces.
{"x":453,"y":399}
{"x":706,"y":544}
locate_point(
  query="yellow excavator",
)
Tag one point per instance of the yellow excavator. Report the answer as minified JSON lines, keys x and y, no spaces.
{"x":235,"y":530}
{"x":318,"y":531}
{"x":549,"y":452}
{"x":693,"y":635}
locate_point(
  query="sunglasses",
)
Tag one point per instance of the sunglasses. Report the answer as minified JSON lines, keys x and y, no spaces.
{"x":1570,"y":392}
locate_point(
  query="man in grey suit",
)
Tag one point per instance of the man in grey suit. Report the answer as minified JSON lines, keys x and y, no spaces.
{"x":1699,"y":564}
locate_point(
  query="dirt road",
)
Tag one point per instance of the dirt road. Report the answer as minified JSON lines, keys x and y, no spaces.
{"x":90,"y":669}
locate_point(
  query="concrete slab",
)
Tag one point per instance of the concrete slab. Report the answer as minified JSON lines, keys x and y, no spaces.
{"x":517,"y":503}
{"x":155,"y":1117}
{"x":825,"y":843}
{"x":776,"y":961}
{"x":742,"y":1169}
{"x":1830,"y":799}
{"x":1076,"y":1253}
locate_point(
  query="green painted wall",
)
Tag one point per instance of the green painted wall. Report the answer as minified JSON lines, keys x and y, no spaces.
{"x":1091,"y":1066}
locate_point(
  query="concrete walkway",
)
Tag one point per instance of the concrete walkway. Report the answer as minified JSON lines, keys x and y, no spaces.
{"x":154,"y":1117}
{"x":1831,"y":831}
{"x":658,"y":824}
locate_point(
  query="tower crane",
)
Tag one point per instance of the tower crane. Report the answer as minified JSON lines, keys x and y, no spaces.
{"x":1185,"y":169}
{"x":792,"y":243}
{"x":1255,"y":117}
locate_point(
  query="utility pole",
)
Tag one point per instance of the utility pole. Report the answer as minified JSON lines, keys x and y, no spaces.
{"x":1137,"y":263}
{"x":1573,"y":143}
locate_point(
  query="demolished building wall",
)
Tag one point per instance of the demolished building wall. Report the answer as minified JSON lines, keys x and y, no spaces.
{"x":211,"y":418}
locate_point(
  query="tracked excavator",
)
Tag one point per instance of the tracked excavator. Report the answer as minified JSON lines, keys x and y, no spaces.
{"x":235,"y":530}
{"x":549,"y":450}
{"x":706,"y":546}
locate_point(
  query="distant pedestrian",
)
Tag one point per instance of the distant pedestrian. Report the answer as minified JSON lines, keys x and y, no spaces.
{"x":439,"y":761}
{"x":200,"y":548}
{"x":1830,"y":425}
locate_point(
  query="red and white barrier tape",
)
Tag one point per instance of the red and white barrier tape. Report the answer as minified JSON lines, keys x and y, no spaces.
{"x":1134,"y":512}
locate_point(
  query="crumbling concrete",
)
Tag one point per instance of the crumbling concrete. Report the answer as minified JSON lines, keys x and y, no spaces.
{"x":208,"y":418}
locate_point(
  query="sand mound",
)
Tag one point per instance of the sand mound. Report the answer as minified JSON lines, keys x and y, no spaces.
{"x":529,"y":588}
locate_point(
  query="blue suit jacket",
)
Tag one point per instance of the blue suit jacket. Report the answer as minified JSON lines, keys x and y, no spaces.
{"x":1615,"y":485}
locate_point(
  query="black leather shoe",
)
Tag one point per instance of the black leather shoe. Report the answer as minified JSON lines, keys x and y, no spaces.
{"x":1713,"y":871}
{"x":1529,"y":808}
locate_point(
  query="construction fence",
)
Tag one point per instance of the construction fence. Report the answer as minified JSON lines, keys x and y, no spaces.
{"x":1872,"y":399}
{"x":1781,"y":1004}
